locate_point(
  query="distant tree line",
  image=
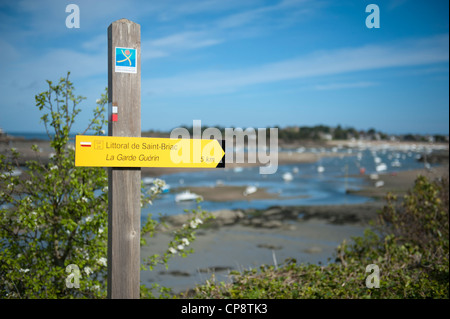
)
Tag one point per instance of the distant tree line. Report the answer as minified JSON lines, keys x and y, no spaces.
{"x":324,"y":132}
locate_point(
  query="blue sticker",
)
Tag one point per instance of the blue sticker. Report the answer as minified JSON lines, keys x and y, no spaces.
{"x":125,"y":60}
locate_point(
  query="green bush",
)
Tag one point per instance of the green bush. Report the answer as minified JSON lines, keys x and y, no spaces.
{"x":53,"y":217}
{"x":409,"y":243}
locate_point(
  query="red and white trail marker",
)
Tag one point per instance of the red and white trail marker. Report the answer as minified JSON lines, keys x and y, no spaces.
{"x":114,"y":113}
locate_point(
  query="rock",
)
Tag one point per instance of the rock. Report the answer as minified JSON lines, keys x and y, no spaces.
{"x":313,"y":250}
{"x":272,"y":224}
{"x":289,"y":227}
{"x":227,"y":216}
{"x":257,"y":222}
{"x":246,"y":222}
{"x":294,"y":214}
{"x":269,"y":246}
{"x":214,"y":269}
{"x":177,"y":220}
{"x":239,"y":214}
{"x":280,"y":213}
{"x":175,"y":273}
{"x":222,"y":218}
{"x":273,"y":213}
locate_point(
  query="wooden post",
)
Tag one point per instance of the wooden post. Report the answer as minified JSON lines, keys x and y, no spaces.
{"x":124,"y":184}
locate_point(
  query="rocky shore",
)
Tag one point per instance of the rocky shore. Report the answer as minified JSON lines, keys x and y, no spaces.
{"x":243,"y":239}
{"x":285,"y":217}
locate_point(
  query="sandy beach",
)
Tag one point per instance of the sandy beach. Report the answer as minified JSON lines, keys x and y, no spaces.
{"x":237,"y":247}
{"x":400,"y":182}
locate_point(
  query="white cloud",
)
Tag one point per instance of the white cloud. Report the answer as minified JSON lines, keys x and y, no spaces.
{"x":261,"y":13}
{"x":56,"y":61}
{"x":210,"y":32}
{"x":177,"y":42}
{"x":184,"y":40}
{"x":323,"y":63}
{"x":339,"y":85}
{"x":96,"y":43}
{"x":170,"y":10}
{"x":393,"y":4}
{"x":9,"y":52}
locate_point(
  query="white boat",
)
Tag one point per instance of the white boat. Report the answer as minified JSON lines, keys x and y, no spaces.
{"x":250,"y":190}
{"x":320,"y":169}
{"x":379,"y":184}
{"x":396,"y":163}
{"x":147,"y":180}
{"x":187,"y":196}
{"x":16,"y":172}
{"x":381,"y":167}
{"x":288,"y":177}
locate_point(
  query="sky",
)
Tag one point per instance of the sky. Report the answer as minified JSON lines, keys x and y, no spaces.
{"x":239,"y":63}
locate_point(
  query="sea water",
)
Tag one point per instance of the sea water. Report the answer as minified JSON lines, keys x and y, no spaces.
{"x":309,"y":186}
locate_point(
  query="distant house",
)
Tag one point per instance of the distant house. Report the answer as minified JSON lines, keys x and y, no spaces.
{"x":326,"y":136}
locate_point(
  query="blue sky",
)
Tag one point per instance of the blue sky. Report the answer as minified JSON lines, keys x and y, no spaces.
{"x":240,"y":63}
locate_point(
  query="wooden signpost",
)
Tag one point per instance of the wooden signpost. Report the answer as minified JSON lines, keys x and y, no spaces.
{"x":124,"y":152}
{"x":124,"y":184}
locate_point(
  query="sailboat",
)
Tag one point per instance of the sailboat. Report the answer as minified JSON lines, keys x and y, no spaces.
{"x":186,"y":196}
{"x":250,"y":190}
{"x":288,"y":177}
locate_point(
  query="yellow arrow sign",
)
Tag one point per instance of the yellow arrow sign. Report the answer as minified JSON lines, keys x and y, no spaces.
{"x":115,"y":151}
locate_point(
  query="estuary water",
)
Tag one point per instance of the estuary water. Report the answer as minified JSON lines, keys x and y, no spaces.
{"x":321,"y":183}
{"x":239,"y":247}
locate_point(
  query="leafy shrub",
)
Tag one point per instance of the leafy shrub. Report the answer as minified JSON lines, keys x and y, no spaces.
{"x":53,"y":217}
{"x":409,"y":244}
{"x":54,"y":214}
